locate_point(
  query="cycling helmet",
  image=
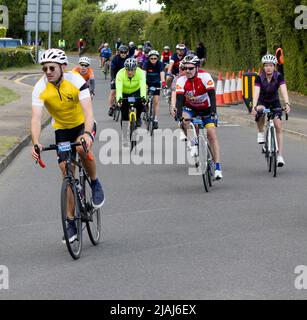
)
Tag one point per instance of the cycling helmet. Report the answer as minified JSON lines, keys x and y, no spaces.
{"x":192,"y":59}
{"x":147,"y":44}
{"x":180,"y":46}
{"x":153,"y":53}
{"x":106,"y":44}
{"x":269,"y":58}
{"x":54,"y":55}
{"x":123,"y":48}
{"x":146,"y":50}
{"x":191,"y":52}
{"x":131,"y":63}
{"x":131,"y":44}
{"x":181,"y":65}
{"x":166,"y":48}
{"x":85,"y":60}
{"x":140,"y":46}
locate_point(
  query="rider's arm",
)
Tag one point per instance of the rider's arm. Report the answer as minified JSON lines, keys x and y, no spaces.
{"x":142,"y":83}
{"x":87,"y":108}
{"x":255,"y":98}
{"x":36,"y":123}
{"x":284,"y":93}
{"x":119,"y":84}
{"x":92,"y":80}
{"x":211,"y":94}
{"x":170,"y":66}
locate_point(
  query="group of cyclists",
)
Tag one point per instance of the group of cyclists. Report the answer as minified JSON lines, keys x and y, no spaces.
{"x":68,"y":98}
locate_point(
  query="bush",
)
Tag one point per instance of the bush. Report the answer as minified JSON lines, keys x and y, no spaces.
{"x":3,"y":32}
{"x":14,"y":58}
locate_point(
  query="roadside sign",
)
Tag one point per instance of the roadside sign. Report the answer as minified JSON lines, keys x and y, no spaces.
{"x":4,"y":17}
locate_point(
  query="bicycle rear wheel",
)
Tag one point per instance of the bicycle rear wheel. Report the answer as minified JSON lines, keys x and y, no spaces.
{"x":93,"y":216}
{"x":203,"y":161}
{"x":69,"y":201}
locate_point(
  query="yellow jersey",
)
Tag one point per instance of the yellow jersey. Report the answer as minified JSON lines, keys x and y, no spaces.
{"x":63,"y":101}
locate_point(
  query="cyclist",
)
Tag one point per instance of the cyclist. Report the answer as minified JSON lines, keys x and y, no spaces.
{"x":67,"y":98}
{"x":131,"y":81}
{"x":166,"y":55}
{"x":105,"y":55}
{"x":117,"y":63}
{"x":266,"y":96}
{"x":86,"y":71}
{"x":195,"y":95}
{"x":132,"y":49}
{"x":155,"y":76}
{"x":173,"y":90}
{"x":81,"y":46}
{"x":173,"y":67}
{"x":139,"y":55}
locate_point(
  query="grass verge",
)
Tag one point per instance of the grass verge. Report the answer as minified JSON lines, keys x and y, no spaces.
{"x":6,"y":143}
{"x":7,"y":95}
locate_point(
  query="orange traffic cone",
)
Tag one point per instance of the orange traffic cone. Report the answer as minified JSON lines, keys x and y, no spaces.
{"x":233,"y":89}
{"x":227,"y":94}
{"x":219,"y":92}
{"x":239,"y":88}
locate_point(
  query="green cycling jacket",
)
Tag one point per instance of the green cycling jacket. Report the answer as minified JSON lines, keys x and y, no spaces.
{"x":125,"y":85}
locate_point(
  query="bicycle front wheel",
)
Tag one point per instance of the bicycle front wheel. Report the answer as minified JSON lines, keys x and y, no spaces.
{"x":211,"y":166}
{"x":274,"y":152}
{"x":93,"y":217}
{"x":70,"y":203}
{"x":203,"y":162}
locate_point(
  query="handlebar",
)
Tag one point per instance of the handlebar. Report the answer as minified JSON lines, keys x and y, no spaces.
{"x":270,"y":111}
{"x":89,"y":155}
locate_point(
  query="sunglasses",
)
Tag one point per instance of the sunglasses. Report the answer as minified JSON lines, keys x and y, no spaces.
{"x":188,"y":68}
{"x":51,"y":68}
{"x":123,"y":52}
{"x":84,"y":65}
{"x":153,"y":58}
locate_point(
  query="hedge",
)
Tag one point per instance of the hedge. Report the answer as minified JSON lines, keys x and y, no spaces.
{"x":15,"y":58}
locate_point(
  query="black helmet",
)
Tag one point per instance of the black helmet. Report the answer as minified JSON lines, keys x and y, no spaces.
{"x":123,"y":48}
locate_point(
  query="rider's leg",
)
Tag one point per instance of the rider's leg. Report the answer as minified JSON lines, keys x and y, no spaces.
{"x":279,"y":135}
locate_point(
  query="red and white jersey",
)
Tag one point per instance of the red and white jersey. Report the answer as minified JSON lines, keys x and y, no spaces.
{"x":196,"y":90}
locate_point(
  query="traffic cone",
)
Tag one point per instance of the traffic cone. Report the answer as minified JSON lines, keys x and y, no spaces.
{"x":227,"y":94}
{"x":219,"y":92}
{"x":239,"y":88}
{"x":233,"y":89}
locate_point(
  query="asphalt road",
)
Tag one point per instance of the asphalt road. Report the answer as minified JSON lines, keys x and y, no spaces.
{"x":163,"y":236}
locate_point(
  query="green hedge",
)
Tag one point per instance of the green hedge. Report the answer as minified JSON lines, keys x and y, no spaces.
{"x":2,"y":32}
{"x":14,"y":58}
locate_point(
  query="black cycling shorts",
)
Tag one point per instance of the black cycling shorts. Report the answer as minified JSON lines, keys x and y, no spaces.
{"x":113,"y":85}
{"x":156,"y":85}
{"x":272,"y":105}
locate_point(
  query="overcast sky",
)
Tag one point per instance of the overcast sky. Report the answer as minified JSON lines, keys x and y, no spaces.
{"x":134,"y":4}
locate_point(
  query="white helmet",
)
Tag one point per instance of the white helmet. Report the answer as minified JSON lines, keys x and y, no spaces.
{"x":106,"y":44}
{"x":131,"y":44}
{"x":153,"y":53}
{"x":180,"y":46}
{"x":54,"y":55}
{"x":131,"y":63}
{"x":269,"y":58}
{"x":166,"y":48}
{"x":191,"y":58}
{"x":85,"y":60}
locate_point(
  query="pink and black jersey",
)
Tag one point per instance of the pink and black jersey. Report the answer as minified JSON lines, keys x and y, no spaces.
{"x":196,"y":90}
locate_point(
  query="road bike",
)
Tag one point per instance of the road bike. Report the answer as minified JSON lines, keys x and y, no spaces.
{"x":149,"y":113}
{"x":132,"y":117}
{"x":270,"y":148}
{"x":106,"y":68}
{"x":204,"y":159}
{"x":76,"y":196}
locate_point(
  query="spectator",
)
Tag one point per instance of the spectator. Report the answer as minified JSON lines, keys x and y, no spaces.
{"x":61,"y":44}
{"x":201,"y":53}
{"x":280,"y":60}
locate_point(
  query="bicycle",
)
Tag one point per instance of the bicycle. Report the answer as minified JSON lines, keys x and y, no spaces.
{"x":204,"y":160}
{"x":76,"y":194}
{"x":132,"y":120}
{"x":149,"y":114}
{"x":116,"y":112}
{"x":106,"y":68}
{"x":270,"y":148}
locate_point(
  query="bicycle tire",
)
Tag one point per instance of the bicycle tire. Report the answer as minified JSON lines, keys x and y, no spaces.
{"x":203,"y":161}
{"x":211,"y":167}
{"x":132,"y":129}
{"x":117,"y":114}
{"x":268,"y":152}
{"x":93,"y":216}
{"x":75,"y":247}
{"x":274,"y":153}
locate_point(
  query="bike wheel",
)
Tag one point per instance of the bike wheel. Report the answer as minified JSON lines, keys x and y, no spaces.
{"x":203,"y":160}
{"x":268,"y":152}
{"x":274,"y":153}
{"x":69,"y":199}
{"x":93,"y":217}
{"x":211,"y":167}
{"x":117,"y":114}
{"x":132,"y":133}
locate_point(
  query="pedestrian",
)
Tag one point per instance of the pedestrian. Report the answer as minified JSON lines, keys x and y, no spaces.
{"x":201,"y":52}
{"x":280,"y":60}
